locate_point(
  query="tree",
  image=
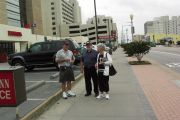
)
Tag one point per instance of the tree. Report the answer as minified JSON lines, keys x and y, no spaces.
{"x":137,"y":49}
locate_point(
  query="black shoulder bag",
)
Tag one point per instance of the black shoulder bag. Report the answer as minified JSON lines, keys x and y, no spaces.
{"x":112,"y":70}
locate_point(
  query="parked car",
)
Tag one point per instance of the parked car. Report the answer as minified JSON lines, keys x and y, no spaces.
{"x":42,"y":54}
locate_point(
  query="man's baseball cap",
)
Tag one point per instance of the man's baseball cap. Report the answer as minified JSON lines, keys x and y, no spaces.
{"x":88,"y":43}
{"x":66,"y":43}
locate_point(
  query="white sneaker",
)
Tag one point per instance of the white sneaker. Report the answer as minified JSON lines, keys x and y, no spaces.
{"x":71,"y":94}
{"x":99,"y":96}
{"x":107,"y":96}
{"x":64,"y":95}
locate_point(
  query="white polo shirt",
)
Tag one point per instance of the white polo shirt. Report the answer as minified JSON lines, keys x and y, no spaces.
{"x":61,"y":55}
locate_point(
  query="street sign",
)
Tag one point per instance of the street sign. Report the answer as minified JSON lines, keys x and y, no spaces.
{"x":107,"y":37}
{"x":12,"y":87}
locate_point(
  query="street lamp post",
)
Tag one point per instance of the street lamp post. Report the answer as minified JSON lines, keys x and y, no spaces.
{"x":123,"y":37}
{"x":97,"y":37}
{"x":132,"y":27}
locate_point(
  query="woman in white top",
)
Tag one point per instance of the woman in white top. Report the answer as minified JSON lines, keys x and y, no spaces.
{"x":104,"y":60}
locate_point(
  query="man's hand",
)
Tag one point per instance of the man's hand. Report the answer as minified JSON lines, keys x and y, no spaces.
{"x":101,"y":63}
{"x":67,"y":60}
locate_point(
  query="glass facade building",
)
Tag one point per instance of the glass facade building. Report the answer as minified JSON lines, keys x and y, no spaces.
{"x":13,"y":12}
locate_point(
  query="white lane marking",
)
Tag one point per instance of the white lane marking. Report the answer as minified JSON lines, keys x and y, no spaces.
{"x":41,"y":81}
{"x":169,"y":65}
{"x":32,"y":81}
{"x":36,"y":99}
{"x":51,"y":81}
{"x":173,"y":65}
{"x":166,"y":53}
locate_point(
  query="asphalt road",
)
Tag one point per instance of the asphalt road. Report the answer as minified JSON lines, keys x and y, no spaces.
{"x":37,"y":96}
{"x":167,"y":56}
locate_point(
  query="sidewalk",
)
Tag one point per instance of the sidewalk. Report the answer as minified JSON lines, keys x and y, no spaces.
{"x":127,"y":100}
{"x":161,"y":88}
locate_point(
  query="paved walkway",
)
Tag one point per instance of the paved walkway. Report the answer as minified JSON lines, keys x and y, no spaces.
{"x":127,"y":100}
{"x":162,"y":88}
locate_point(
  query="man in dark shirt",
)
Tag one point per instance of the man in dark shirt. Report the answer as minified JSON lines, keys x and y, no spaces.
{"x":89,"y":59}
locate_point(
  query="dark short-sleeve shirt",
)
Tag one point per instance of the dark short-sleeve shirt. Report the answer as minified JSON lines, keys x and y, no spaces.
{"x":89,"y":58}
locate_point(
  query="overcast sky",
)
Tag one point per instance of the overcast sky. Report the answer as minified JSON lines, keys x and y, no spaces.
{"x":143,"y":10}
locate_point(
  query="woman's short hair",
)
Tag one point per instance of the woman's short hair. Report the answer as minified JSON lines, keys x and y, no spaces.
{"x":101,"y":45}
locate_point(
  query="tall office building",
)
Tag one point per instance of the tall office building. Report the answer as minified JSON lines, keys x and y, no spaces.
{"x":10,"y":12}
{"x":57,"y":13}
{"x":163,"y":25}
{"x":148,"y":27}
{"x":34,"y":16}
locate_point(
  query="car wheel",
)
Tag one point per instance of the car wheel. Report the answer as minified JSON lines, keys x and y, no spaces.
{"x":18,"y":63}
{"x":29,"y":68}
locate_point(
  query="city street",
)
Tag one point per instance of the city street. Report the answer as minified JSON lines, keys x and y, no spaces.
{"x":37,"y":95}
{"x":167,"y":56}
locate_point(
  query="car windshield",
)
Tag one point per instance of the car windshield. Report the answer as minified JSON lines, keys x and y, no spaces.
{"x":75,"y":44}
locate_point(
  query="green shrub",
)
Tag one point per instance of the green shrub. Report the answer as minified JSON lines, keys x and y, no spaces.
{"x":137,"y":49}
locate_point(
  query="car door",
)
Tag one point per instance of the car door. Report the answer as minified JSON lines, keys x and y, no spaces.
{"x":49,"y":51}
{"x":35,"y":54}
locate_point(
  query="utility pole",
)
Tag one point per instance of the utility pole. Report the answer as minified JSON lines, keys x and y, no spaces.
{"x":127,"y":36}
{"x":96,"y":21}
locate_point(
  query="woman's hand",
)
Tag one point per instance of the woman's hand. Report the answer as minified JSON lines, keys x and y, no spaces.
{"x":96,"y":65}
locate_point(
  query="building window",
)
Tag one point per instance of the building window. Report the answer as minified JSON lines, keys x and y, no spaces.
{"x":77,"y":26}
{"x":52,"y":8}
{"x":92,"y":33}
{"x":92,"y":28}
{"x":53,"y":13}
{"x":53,"y":18}
{"x":93,"y":38}
{"x":102,"y":32}
{"x":54,"y":33}
{"x":74,"y":32}
{"x":53,"y":23}
{"x":52,"y":3}
{"x":83,"y":30}
{"x":84,"y":35}
{"x":54,"y":28}
{"x":102,"y":27}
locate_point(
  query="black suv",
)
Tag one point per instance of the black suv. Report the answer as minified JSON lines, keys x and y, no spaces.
{"x":42,"y":54}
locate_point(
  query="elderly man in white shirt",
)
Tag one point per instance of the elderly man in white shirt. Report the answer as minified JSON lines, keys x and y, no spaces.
{"x":65,"y":58}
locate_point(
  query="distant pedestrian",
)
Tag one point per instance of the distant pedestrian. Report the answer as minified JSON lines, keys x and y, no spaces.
{"x":65,"y":58}
{"x":89,"y":59}
{"x":104,"y":60}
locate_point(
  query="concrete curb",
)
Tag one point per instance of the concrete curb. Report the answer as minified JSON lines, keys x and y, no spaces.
{"x":47,"y":104}
{"x":35,"y":86}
